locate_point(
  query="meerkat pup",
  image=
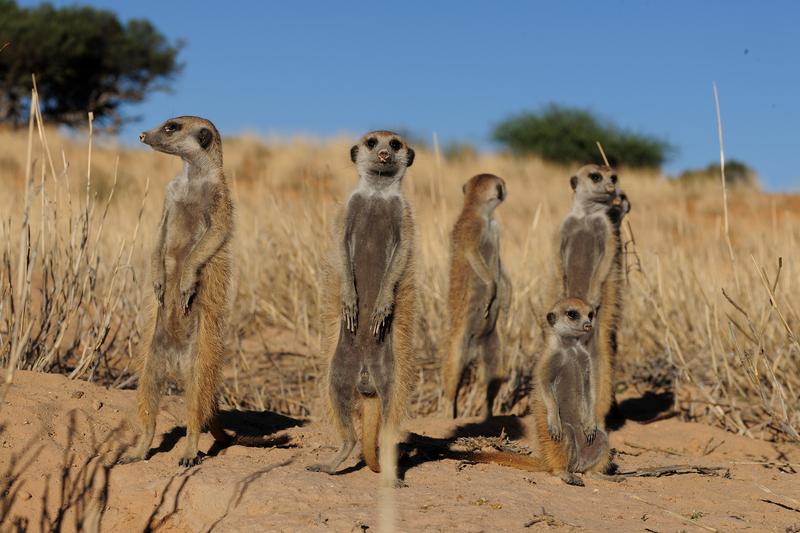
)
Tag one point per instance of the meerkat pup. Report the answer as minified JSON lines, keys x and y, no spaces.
{"x":370,"y":306}
{"x":570,"y":441}
{"x":479,"y":288}
{"x":191,"y":275}
{"x":590,"y":263}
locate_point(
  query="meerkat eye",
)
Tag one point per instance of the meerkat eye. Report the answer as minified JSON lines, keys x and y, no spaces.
{"x":169,"y":128}
{"x":573,"y":314}
{"x":371,"y":142}
{"x":591,"y":315}
{"x":395,"y":144}
{"x":613,"y":178}
{"x":596,"y":177}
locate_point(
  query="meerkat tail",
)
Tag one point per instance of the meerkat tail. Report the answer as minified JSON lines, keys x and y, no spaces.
{"x":370,"y":429}
{"x":528,"y":463}
{"x":219,"y":433}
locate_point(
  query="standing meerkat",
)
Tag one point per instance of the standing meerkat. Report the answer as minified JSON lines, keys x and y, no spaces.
{"x":590,"y":263}
{"x":369,"y":306}
{"x":191,"y":271}
{"x":479,"y":288}
{"x":569,"y":439}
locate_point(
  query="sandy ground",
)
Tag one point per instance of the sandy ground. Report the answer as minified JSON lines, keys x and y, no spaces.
{"x":57,"y":435}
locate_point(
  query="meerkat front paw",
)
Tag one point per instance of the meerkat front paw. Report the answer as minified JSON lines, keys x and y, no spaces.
{"x":490,"y":301}
{"x":380,"y":316}
{"x":590,"y":431}
{"x":350,"y":307}
{"x":188,"y":287}
{"x":554,"y":427}
{"x":158,"y":289}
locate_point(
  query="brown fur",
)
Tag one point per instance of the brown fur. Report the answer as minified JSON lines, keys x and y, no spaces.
{"x":474,"y":304}
{"x":590,"y":267}
{"x":192,"y":274}
{"x":382,"y":400}
{"x":574,"y":444}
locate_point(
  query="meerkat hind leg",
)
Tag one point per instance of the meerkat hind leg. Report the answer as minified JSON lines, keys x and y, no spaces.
{"x":148,"y":396}
{"x":342,"y":398}
{"x":490,"y":352}
{"x":454,"y":371}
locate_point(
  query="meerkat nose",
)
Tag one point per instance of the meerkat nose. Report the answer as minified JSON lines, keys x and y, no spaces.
{"x":383,"y":155}
{"x":587,"y":326}
{"x":142,"y":136}
{"x":610,"y":188}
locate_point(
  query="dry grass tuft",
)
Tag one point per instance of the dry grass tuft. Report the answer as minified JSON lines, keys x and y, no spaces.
{"x":78,"y":221}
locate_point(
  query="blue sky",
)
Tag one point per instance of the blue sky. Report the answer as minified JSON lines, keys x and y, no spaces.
{"x":457,"y":68}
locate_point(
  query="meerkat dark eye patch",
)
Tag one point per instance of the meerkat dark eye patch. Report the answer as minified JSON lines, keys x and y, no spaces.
{"x":354,"y":153}
{"x":395,"y":145}
{"x":573,"y":314}
{"x":371,"y":142}
{"x":573,"y":182}
{"x":551,"y":318}
{"x":613,"y":178}
{"x":204,"y":138}
{"x":410,"y":157}
{"x":591,"y":315}
{"x":171,"y":127}
{"x":596,"y":177}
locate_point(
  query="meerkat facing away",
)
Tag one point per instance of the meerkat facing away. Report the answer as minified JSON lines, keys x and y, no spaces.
{"x":479,"y":288}
{"x":191,"y":273}
{"x":570,"y":441}
{"x":590,"y":264}
{"x":369,"y":306}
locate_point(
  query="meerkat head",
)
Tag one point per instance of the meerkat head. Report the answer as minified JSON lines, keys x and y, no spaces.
{"x":187,"y":137}
{"x":571,"y":318}
{"x":484,"y":191}
{"x":595,"y":184}
{"x":382,"y":154}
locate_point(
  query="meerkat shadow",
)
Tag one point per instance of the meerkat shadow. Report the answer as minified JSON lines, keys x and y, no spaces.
{"x":168,"y":440}
{"x":650,"y":407}
{"x":418,"y":449}
{"x":255,"y":429}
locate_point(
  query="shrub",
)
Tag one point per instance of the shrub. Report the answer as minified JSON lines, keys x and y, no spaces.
{"x":567,"y":135}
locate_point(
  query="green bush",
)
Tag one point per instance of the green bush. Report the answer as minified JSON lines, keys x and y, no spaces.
{"x":736,"y":173}
{"x":567,"y":135}
{"x":84,"y":59}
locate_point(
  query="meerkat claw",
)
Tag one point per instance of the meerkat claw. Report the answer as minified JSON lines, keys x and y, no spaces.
{"x":158,"y":288}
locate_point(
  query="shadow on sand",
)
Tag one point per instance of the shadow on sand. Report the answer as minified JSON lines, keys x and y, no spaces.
{"x":419,"y":449}
{"x":649,"y":407}
{"x":250,"y":428}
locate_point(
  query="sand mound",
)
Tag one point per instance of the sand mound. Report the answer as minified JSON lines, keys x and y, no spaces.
{"x":57,"y":436}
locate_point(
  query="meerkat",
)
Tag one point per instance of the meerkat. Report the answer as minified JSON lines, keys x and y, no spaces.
{"x":479,"y":288}
{"x":590,"y":264}
{"x":191,"y":275}
{"x":369,"y":306}
{"x":569,"y":439}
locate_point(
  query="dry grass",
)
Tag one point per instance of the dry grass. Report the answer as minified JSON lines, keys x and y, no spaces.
{"x":73,"y":275}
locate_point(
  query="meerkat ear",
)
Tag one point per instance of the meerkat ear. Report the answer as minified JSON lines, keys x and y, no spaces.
{"x":464,"y":188}
{"x":204,"y":138}
{"x":573,"y":182}
{"x":551,"y":318}
{"x":354,"y":153}
{"x":410,"y":157}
